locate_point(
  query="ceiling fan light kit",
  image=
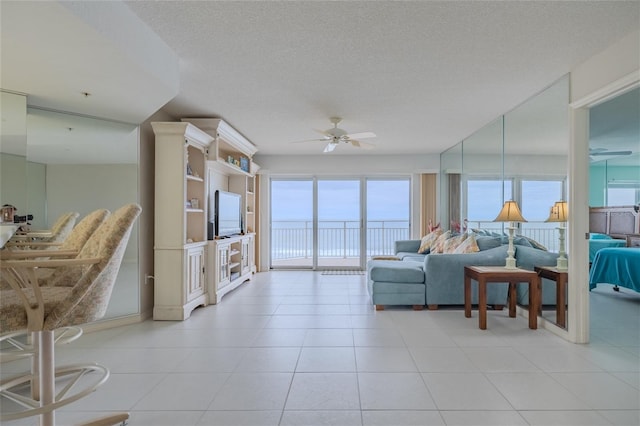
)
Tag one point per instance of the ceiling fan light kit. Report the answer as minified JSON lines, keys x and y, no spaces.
{"x":335,"y":135}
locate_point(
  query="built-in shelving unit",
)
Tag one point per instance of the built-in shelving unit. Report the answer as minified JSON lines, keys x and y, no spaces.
{"x":181,"y":191}
{"x":230,"y":159}
{"x":230,"y":167}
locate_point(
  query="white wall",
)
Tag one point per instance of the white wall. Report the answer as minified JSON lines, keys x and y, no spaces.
{"x":347,"y":165}
{"x":614,"y":63}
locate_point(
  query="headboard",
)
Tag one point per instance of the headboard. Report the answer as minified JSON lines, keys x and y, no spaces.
{"x":617,"y":222}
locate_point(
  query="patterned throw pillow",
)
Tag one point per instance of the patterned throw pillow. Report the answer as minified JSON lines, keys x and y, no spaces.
{"x":427,"y":241}
{"x":452,"y":243}
{"x":438,"y":245}
{"x":469,"y":245}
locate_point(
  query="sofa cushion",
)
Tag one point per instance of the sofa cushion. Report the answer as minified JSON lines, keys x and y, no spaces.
{"x":427,"y":241}
{"x":438,"y":245}
{"x":486,"y":242}
{"x":415,"y":257}
{"x":452,"y":243}
{"x":529,"y":257}
{"x":535,"y":244}
{"x":469,"y":245}
{"x":394,"y":271}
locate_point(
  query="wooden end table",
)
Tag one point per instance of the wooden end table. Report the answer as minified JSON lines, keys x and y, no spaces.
{"x":499,"y":274}
{"x":560,"y":277}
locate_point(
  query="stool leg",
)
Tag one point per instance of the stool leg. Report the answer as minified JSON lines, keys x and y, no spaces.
{"x":47,"y":375}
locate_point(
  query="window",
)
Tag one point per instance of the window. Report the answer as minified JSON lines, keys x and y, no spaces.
{"x":485,"y":198}
{"x":537,"y":198}
{"x":623,"y":193}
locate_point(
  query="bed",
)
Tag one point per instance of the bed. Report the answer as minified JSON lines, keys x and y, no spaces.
{"x":619,"y":266}
{"x":600,"y":241}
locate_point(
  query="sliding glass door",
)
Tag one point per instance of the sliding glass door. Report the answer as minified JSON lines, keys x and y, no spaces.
{"x":292,"y":223}
{"x":387,"y":214}
{"x":323,"y":223}
{"x":339,"y":224}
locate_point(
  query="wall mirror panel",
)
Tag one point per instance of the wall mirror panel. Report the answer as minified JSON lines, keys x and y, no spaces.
{"x":450,"y":174}
{"x":13,"y":150}
{"x":523,"y":156}
{"x":536,"y":148}
{"x":483,"y":188}
{"x":614,"y":148}
{"x":76,"y":163}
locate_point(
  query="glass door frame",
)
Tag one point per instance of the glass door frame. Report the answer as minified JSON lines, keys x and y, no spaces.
{"x":363,"y":226}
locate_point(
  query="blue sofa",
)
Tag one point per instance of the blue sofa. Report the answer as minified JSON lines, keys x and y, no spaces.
{"x":438,"y":279}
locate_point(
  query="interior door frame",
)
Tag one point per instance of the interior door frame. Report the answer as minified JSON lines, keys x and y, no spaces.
{"x":578,"y":202}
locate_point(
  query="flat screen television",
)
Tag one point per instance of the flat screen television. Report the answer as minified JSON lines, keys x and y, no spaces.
{"x":228,"y":217}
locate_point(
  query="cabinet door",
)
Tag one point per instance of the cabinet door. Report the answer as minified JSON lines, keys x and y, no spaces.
{"x":224,"y":259}
{"x":245,"y":261}
{"x":195,"y":272}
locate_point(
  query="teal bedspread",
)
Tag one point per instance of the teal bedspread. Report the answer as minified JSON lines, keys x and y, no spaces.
{"x":595,"y":245}
{"x":618,"y":266}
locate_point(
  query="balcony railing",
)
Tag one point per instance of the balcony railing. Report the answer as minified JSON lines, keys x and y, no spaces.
{"x":544,"y":233}
{"x":338,"y":239}
{"x":341,"y":239}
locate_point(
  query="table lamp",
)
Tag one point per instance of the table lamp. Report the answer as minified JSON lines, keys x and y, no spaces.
{"x":559,"y":213}
{"x":510,"y":213}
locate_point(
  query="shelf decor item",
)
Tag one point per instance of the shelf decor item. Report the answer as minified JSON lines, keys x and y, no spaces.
{"x":559,"y":213}
{"x":510,"y":213}
{"x":244,"y":164}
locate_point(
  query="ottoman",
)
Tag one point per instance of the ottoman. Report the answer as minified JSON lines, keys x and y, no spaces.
{"x":392,"y":282}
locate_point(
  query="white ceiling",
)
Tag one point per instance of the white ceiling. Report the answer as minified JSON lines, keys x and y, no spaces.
{"x":422,"y":75}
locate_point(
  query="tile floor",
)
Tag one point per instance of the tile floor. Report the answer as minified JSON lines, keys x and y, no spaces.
{"x":301,"y":348}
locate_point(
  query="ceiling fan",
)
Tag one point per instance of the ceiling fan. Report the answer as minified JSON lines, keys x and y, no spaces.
{"x":335,"y":135}
{"x":598,"y":152}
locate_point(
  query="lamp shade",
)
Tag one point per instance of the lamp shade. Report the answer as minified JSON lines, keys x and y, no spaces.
{"x":510,"y":213}
{"x":559,"y":212}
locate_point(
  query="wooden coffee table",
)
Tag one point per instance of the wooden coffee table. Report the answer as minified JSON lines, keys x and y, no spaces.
{"x":499,"y":274}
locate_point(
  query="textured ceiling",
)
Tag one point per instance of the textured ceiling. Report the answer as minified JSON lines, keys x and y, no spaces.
{"x":422,"y":75}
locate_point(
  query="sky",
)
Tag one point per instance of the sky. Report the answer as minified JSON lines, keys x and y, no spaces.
{"x":339,"y":200}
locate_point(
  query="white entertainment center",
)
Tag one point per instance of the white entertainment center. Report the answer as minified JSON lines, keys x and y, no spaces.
{"x":194,"y":159}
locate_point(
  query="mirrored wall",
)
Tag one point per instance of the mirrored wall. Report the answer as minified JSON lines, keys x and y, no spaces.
{"x":522,"y":156}
{"x":73,"y":163}
{"x":614,"y":151}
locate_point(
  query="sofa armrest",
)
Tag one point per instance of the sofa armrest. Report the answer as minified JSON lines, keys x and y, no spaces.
{"x":410,"y":246}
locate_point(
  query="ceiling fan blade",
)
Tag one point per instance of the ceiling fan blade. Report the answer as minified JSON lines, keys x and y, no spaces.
{"x":330,"y":147}
{"x":612,"y":153}
{"x":360,"y":144}
{"x":313,"y":140}
{"x":362,"y":135}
